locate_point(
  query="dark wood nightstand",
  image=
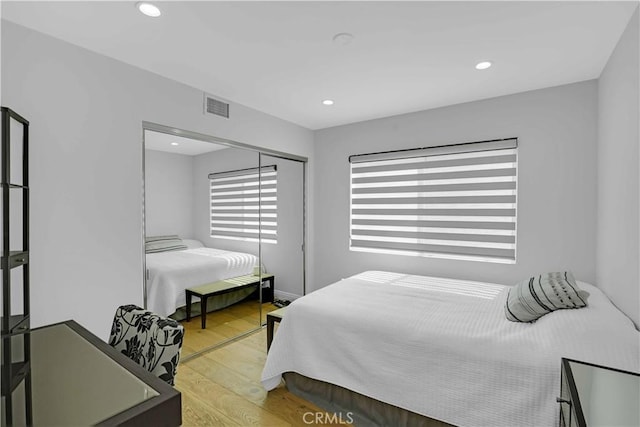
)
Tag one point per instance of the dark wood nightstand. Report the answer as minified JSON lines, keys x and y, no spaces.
{"x":593,"y":395}
{"x":273,"y":317}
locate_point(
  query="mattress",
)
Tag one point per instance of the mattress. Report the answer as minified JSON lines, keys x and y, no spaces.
{"x":443,"y":348}
{"x":170,"y":273}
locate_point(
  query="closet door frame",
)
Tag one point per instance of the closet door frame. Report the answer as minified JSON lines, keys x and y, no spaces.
{"x":155,"y":127}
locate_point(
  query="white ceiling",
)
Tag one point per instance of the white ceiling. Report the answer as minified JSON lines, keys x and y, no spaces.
{"x":158,"y":141}
{"x":278,"y":57}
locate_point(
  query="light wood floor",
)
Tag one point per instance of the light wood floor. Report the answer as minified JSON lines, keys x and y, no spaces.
{"x":222,"y":388}
{"x":223,"y":325}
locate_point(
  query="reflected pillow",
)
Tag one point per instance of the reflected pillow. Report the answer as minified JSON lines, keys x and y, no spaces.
{"x":155,"y":244}
{"x":538,"y":295}
{"x":192,"y":244}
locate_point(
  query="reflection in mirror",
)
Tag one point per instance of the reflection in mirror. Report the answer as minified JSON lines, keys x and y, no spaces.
{"x":282,"y":235}
{"x":201,"y":216}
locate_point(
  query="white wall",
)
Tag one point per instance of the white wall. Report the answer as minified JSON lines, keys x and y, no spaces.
{"x":283,"y":259}
{"x":556,"y":129}
{"x":168,"y":194}
{"x":618,"y":256}
{"x":86,"y":112}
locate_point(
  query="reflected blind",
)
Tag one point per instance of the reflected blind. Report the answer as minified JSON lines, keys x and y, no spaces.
{"x":456,"y":201}
{"x":244,"y":204}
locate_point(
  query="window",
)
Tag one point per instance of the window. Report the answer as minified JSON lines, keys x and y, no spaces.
{"x":244,"y":204}
{"x":455,"y":201}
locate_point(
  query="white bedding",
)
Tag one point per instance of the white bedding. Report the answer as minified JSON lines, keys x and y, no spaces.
{"x":443,"y":348}
{"x":170,"y":273}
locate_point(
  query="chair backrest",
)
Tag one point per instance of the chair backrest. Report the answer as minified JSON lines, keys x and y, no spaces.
{"x":152,"y":341}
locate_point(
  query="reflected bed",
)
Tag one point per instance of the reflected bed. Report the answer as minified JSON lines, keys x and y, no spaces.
{"x":443,"y":348}
{"x":170,"y":273}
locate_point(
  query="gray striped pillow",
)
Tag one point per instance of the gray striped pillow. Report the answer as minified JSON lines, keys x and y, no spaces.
{"x":533,"y":298}
{"x":155,"y":244}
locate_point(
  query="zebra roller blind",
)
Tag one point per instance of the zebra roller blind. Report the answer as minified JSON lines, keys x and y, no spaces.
{"x":244,"y":204}
{"x":455,"y":201}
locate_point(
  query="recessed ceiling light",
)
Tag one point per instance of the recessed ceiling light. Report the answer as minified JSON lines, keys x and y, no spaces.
{"x":327,"y":102}
{"x":174,"y":143}
{"x":483,"y":65}
{"x":148,"y":9}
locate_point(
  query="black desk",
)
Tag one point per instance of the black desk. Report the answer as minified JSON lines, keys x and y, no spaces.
{"x":593,"y":395}
{"x":78,"y":379}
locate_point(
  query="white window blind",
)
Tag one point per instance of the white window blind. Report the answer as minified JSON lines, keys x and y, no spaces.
{"x":455,"y":201}
{"x":244,"y":204}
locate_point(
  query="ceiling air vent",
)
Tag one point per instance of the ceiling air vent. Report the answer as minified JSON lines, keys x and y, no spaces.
{"x":214,"y":106}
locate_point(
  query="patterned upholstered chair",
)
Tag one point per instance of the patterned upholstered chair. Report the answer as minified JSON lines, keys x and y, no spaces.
{"x":152,"y":341}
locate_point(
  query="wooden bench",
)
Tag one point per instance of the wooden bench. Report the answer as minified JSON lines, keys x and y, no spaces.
{"x":273,"y":317}
{"x":222,"y":287}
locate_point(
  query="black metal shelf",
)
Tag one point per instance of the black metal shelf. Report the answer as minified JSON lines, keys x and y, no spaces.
{"x":10,"y":113}
{"x":15,"y":259}
{"x":17,"y":186}
{"x":14,"y":328}
{"x":15,"y":253}
{"x":19,"y":371}
{"x":18,"y":324}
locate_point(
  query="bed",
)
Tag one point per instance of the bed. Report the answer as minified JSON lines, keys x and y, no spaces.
{"x":171,"y":272}
{"x":440,"y":348}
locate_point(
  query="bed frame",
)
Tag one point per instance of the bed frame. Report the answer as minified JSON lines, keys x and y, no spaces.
{"x":361,"y":409}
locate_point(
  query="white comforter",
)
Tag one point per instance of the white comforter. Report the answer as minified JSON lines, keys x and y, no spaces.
{"x":170,"y":273}
{"x":443,"y":348}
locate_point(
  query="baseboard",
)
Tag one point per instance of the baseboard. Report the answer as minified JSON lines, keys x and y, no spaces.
{"x":286,"y":295}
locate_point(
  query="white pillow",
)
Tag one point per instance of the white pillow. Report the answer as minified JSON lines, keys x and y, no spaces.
{"x":155,"y":244}
{"x":536,"y":296}
{"x":192,"y":244}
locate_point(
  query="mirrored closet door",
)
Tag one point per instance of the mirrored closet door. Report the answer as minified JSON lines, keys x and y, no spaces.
{"x":282,"y":235}
{"x":224,"y":229}
{"x":202,"y":215}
